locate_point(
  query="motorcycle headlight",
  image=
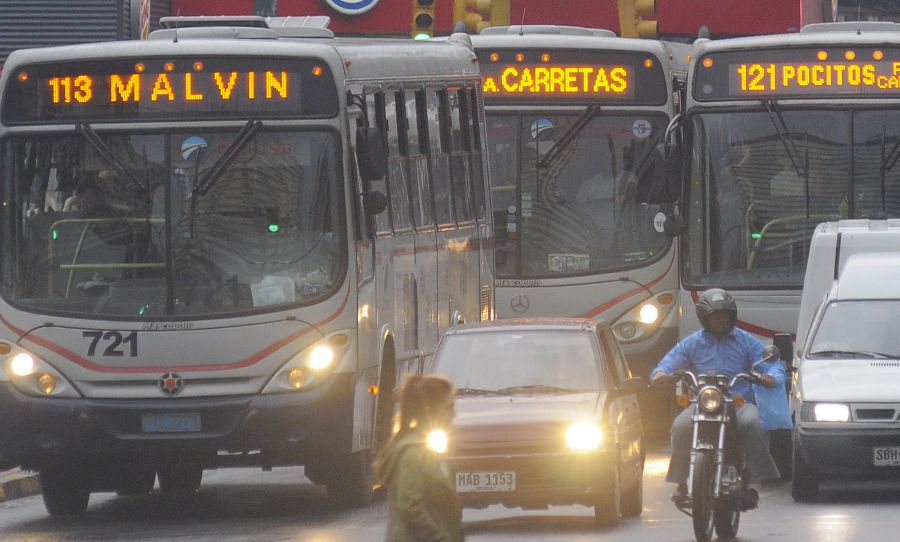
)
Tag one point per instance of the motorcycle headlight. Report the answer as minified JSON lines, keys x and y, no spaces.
{"x":710,"y":399}
{"x":437,"y":441}
{"x":583,"y":436}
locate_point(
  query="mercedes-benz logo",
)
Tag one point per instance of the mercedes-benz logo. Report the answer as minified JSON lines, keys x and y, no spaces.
{"x":519,"y":303}
{"x":170,"y":384}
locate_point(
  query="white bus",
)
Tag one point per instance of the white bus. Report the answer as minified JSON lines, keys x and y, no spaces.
{"x":782,"y":133}
{"x":576,"y":119}
{"x":204,"y":263}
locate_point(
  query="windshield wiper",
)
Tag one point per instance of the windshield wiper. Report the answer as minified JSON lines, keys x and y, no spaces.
{"x":475,"y":391}
{"x":851,"y":353}
{"x":781,"y":128}
{"x":535,"y":387}
{"x":241,"y":139}
{"x":568,"y":136}
{"x":107,"y":154}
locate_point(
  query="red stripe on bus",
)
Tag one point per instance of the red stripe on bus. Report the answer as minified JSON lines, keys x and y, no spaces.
{"x":615,"y":301}
{"x":255,"y":358}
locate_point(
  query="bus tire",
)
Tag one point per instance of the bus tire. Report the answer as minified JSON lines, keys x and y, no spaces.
{"x":179,"y":479}
{"x":353,"y":481}
{"x":65,"y":490}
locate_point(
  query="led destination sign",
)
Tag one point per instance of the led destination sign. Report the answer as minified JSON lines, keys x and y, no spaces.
{"x":513,"y":76}
{"x":174,"y":88}
{"x":822,"y":73}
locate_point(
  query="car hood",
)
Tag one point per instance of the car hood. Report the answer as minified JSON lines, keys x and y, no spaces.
{"x":521,"y":417}
{"x":853,"y":380}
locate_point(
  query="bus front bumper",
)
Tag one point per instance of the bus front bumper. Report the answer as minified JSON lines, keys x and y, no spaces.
{"x":248,"y":430}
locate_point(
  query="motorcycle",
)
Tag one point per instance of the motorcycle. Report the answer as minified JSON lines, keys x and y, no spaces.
{"x":717,"y":490}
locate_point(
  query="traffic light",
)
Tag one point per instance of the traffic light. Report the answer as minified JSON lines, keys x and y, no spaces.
{"x":480,"y":14}
{"x":633,"y":22}
{"x":423,"y":19}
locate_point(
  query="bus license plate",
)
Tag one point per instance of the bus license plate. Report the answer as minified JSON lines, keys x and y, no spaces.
{"x":485,"y":481}
{"x":887,"y":456}
{"x":170,"y":423}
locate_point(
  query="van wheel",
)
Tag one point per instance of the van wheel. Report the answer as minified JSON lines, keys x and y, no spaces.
{"x":805,"y":482}
{"x":65,"y":490}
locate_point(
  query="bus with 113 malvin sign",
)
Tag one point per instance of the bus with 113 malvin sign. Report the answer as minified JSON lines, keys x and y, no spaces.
{"x":225,"y":245}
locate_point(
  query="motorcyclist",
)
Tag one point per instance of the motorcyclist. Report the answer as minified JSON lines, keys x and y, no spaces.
{"x":724,"y":349}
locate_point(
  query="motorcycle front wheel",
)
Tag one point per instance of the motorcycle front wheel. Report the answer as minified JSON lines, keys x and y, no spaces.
{"x":727,"y":519}
{"x":702,"y":503}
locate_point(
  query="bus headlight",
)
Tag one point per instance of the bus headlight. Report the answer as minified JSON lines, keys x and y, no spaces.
{"x":34,"y":376}
{"x":583,"y":436}
{"x":710,"y":399}
{"x":311,"y":366}
{"x":644,"y":319}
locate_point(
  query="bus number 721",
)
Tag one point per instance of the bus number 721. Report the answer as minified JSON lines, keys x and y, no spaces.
{"x":115,"y":339}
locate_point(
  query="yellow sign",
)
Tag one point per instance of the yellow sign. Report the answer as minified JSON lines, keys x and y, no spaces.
{"x":536,"y":80}
{"x":805,"y":77}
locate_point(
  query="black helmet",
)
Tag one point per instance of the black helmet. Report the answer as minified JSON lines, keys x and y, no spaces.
{"x":715,"y":300}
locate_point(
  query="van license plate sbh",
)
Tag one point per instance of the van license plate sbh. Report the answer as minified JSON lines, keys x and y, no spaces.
{"x":886,"y":456}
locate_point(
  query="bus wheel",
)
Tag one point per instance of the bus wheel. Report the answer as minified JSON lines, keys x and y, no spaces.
{"x":65,"y":490}
{"x":138,"y":482}
{"x":353,"y":481}
{"x":179,"y":479}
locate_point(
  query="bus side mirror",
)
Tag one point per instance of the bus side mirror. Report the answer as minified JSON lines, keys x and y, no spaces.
{"x":786,"y":346}
{"x":374,"y":202}
{"x":370,"y":153}
{"x":674,"y":225}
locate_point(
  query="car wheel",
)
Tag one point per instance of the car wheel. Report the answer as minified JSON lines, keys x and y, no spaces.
{"x":179,"y":480}
{"x":805,"y":481}
{"x":608,"y":508}
{"x":633,"y":498}
{"x":65,"y":491}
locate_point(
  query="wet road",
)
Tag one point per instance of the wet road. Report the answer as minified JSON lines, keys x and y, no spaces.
{"x":238,"y":505}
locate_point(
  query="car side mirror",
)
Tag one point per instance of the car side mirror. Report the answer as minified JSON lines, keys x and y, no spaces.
{"x":632,"y":385}
{"x":370,"y":153}
{"x":785,"y":344}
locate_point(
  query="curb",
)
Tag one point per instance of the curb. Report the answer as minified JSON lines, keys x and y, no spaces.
{"x":16,"y":484}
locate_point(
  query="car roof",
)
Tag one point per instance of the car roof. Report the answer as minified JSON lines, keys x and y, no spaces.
{"x":530,"y":324}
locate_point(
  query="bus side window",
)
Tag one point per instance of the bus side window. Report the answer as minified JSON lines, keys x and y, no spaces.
{"x":395,"y":120}
{"x":417,"y":161}
{"x":469,"y":104}
{"x":440,"y":160}
{"x":375,"y":112}
{"x":460,"y":177}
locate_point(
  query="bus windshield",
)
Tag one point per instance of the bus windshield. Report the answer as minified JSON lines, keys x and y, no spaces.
{"x":760,"y":181}
{"x":576,"y":193}
{"x":180,"y":224}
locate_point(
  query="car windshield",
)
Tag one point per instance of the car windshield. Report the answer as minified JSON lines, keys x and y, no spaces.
{"x":858,"y":329}
{"x":576,"y":193}
{"x":187,"y":224}
{"x":761,"y":181}
{"x":520,"y":361}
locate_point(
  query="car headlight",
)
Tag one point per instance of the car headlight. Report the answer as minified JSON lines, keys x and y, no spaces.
{"x":311,"y":366}
{"x":710,"y":399}
{"x":437,"y":441}
{"x":831,"y":412}
{"x":34,"y":376}
{"x":583,"y":436}
{"x":644,"y":319}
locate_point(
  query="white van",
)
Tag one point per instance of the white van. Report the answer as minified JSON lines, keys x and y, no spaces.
{"x":846,"y":394}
